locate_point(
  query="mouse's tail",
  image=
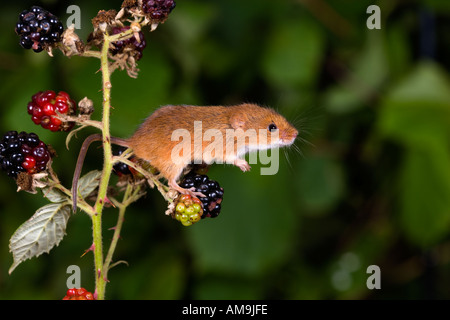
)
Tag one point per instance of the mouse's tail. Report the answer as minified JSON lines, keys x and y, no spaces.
{"x":80,"y":161}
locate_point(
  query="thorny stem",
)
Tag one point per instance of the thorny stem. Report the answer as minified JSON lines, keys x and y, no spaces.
{"x":100,"y":274}
{"x":101,"y":268}
{"x":132,"y":192}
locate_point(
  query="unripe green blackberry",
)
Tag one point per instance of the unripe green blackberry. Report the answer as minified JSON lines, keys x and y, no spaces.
{"x":188,"y":210}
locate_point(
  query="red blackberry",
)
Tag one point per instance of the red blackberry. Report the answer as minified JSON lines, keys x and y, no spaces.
{"x":44,"y":106}
{"x":38,"y":28}
{"x":78,"y":294}
{"x":210,"y":188}
{"x":158,"y":10}
{"x":131,"y":44}
{"x":23,"y":152}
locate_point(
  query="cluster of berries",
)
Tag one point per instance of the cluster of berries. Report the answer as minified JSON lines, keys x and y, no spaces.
{"x":38,"y":28}
{"x":188,"y":210}
{"x":23,"y":152}
{"x":158,"y":10}
{"x":135,"y":45}
{"x":211,"y":189}
{"x":78,"y":294}
{"x":45,"y":106}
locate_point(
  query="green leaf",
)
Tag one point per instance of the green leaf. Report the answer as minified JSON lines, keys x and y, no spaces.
{"x":416,"y":115}
{"x":293,"y":53}
{"x":320,"y":183}
{"x":428,"y":82}
{"x":54,"y":195}
{"x":40,"y":233}
{"x":89,"y":182}
{"x":365,"y":76}
{"x":425,"y":196}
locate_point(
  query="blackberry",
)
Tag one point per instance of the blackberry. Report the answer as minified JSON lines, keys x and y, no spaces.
{"x":38,"y":28}
{"x":44,"y":106}
{"x":23,"y":152}
{"x":158,"y":10}
{"x":210,"y":188}
{"x":188,"y":210}
{"x":121,"y":168}
{"x":78,"y":294}
{"x":132,"y":44}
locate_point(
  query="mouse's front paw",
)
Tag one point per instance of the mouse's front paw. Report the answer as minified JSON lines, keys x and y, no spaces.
{"x":242,"y":164}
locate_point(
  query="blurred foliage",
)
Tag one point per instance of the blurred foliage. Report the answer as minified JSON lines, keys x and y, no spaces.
{"x":370,"y":185}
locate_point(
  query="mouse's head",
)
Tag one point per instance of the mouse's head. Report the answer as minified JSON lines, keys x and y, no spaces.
{"x":266,"y":122}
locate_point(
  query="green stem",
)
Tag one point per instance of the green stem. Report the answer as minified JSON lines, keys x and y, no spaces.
{"x":101,"y":268}
{"x":122,"y":208}
{"x":100,"y":274}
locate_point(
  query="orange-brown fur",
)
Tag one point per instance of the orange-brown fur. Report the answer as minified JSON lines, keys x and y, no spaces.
{"x":152,"y":141}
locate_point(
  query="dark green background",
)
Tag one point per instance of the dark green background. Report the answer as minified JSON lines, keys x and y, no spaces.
{"x":371,"y":185}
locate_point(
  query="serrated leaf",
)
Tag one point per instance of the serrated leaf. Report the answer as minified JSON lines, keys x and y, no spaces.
{"x":40,"y":233}
{"x":54,"y":195}
{"x":89,"y":182}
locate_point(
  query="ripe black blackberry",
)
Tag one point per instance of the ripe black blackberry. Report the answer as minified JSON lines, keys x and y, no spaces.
{"x":121,"y":168}
{"x":23,"y":152}
{"x":38,"y":28}
{"x":210,"y":188}
{"x":158,"y":10}
{"x":137,"y":47}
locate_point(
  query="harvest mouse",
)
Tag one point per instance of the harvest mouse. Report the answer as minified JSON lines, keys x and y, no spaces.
{"x":208,"y":134}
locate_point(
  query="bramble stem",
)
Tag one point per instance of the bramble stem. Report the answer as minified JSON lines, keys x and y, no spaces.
{"x":122,"y":208}
{"x":101,"y":268}
{"x":95,"y":212}
{"x":100,"y":274}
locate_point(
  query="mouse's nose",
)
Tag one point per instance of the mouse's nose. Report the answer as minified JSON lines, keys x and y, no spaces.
{"x":288,"y":136}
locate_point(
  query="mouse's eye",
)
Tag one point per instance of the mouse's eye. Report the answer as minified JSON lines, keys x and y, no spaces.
{"x":272,"y":127}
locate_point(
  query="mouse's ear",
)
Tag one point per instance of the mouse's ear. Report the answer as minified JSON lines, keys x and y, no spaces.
{"x":237,"y":120}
